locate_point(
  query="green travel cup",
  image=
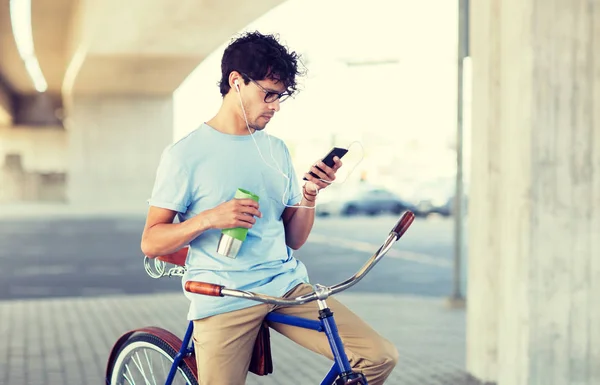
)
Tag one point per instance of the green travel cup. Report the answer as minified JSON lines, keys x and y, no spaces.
{"x":231,"y":239}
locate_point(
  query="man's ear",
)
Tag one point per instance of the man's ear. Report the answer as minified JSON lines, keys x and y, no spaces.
{"x":235,"y":78}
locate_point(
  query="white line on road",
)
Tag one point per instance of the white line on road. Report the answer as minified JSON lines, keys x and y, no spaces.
{"x":371,"y":248}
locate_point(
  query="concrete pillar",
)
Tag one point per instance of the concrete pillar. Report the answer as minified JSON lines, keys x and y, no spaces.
{"x":115,"y":144}
{"x":534,"y":274}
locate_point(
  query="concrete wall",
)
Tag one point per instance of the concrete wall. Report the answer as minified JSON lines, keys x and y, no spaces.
{"x":33,"y":164}
{"x":115,"y":143}
{"x":42,"y":149}
{"x":107,"y":157}
{"x":534,"y":273}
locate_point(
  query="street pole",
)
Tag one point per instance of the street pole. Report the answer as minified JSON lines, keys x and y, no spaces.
{"x":457,"y":298}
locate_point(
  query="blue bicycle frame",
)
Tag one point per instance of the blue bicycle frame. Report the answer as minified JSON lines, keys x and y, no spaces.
{"x":326,"y":324}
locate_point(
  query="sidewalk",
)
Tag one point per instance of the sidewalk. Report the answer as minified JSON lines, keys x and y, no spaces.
{"x":66,"y":341}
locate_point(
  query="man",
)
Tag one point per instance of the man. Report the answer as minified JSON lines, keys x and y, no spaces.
{"x":197,"y":179}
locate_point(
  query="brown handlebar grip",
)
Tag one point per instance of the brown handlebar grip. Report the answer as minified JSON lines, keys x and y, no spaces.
{"x":404,"y":223}
{"x":203,"y":288}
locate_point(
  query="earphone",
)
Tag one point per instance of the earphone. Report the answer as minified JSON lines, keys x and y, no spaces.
{"x":236,"y":84}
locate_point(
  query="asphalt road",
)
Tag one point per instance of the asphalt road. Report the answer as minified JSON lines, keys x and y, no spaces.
{"x":97,"y":256}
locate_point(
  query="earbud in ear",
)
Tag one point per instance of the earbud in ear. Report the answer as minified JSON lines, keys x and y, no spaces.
{"x":237,"y":84}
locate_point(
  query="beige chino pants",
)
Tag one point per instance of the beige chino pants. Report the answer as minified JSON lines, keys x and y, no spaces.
{"x":223,"y":343}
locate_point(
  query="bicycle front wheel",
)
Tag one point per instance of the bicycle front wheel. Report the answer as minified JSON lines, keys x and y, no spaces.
{"x":147,"y":359}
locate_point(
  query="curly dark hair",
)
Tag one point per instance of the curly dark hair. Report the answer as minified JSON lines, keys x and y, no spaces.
{"x":259,"y":57}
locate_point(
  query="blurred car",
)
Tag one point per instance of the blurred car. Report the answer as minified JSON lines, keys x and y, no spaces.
{"x":367,"y":200}
{"x":436,"y":206}
{"x":437,"y":196}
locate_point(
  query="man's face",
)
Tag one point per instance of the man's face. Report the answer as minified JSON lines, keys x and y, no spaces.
{"x":261,"y":101}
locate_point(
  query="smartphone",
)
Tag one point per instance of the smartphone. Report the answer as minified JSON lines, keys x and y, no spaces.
{"x":328,"y":160}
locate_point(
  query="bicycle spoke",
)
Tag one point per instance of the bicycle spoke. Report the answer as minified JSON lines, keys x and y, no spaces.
{"x":149,"y":361}
{"x":140,"y":368}
{"x":164,"y":369}
{"x":130,"y":375}
{"x":128,"y":380}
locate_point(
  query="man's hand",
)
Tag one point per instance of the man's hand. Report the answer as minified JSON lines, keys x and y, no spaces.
{"x":328,"y":175}
{"x":234,"y":213}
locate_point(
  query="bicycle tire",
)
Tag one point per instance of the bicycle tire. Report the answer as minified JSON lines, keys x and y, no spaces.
{"x":152,"y":342}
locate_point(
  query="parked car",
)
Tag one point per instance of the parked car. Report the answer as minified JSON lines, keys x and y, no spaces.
{"x":437,"y":196}
{"x":436,"y":206}
{"x":367,"y":200}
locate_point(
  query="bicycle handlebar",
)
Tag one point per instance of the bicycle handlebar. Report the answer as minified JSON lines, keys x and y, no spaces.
{"x":322,"y":292}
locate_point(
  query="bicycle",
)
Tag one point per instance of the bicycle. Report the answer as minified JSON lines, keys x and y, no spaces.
{"x":179,"y":356}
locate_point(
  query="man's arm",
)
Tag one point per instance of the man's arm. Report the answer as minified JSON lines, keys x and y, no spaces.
{"x":161,"y":236}
{"x":298,"y":221}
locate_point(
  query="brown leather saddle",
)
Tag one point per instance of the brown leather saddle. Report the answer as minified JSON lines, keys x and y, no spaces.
{"x":261,"y":362}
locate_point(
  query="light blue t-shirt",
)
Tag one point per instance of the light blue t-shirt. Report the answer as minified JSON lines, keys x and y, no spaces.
{"x":203,"y":170}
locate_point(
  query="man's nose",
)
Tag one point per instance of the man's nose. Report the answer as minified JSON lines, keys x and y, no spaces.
{"x":274,"y":105}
